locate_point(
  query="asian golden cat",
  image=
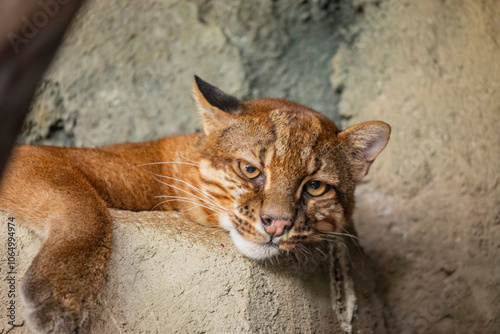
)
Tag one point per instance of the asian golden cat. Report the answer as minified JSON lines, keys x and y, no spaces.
{"x":273,"y":173}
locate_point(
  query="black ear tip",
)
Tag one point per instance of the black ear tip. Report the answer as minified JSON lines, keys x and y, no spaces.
{"x":196,"y":78}
{"x":216,"y":97}
{"x":199,"y":81}
{"x":203,"y":85}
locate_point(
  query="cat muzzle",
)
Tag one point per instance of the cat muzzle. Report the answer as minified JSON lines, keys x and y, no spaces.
{"x":276,"y":227}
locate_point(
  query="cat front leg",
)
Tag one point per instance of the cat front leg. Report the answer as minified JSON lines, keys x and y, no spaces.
{"x":50,"y":196}
{"x":61,"y":285}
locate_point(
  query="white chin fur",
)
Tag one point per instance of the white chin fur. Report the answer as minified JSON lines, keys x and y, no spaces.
{"x":251,"y":249}
{"x":225,"y":223}
{"x":248,"y":248}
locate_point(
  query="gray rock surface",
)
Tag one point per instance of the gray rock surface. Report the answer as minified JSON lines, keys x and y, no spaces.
{"x":132,"y":65}
{"x":427,"y":215}
{"x":169,"y":275}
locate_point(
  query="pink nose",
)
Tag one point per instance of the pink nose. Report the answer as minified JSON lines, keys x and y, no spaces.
{"x":275,"y":227}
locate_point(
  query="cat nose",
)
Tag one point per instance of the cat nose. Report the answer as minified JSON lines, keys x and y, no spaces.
{"x":275,"y":227}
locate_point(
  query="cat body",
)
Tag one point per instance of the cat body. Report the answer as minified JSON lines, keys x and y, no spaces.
{"x":274,"y":173}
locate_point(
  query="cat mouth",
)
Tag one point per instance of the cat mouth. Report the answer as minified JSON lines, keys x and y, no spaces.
{"x":254,"y":250}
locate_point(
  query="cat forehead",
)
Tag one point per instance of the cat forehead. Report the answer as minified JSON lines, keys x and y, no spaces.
{"x":275,"y":131}
{"x":294,"y":131}
{"x":279,"y":107}
{"x":288,"y":123}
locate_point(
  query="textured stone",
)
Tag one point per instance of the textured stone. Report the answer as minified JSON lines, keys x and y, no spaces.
{"x":169,"y":275}
{"x":426,"y":212}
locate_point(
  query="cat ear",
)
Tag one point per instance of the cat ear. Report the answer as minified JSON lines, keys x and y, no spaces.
{"x":217,"y":109}
{"x":364,"y":142}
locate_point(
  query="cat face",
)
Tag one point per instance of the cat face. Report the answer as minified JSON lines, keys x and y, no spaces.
{"x":283,"y":173}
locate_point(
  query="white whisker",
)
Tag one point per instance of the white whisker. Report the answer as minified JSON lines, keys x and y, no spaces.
{"x":167,"y":162}
{"x":190,"y":185}
{"x":186,"y":201}
{"x":190,"y":160}
{"x":206,"y":204}
{"x":341,"y":234}
{"x":171,"y":185}
{"x":201,"y":192}
{"x":216,"y":208}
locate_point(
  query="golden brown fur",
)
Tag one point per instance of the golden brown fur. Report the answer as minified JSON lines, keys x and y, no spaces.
{"x":64,"y":193}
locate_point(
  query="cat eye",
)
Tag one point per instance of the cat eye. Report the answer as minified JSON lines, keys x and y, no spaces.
{"x":248,"y":170}
{"x":316,"y":188}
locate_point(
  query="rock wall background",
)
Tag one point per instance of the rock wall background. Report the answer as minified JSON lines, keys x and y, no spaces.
{"x":428,"y":214}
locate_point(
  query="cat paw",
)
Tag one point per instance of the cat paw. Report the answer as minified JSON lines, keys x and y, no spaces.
{"x":49,"y":312}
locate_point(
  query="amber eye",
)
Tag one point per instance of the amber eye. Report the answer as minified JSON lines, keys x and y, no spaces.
{"x":316,"y":188}
{"x":248,"y":170}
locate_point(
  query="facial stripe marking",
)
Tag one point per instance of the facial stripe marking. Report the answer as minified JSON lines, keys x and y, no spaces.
{"x":213,"y":184}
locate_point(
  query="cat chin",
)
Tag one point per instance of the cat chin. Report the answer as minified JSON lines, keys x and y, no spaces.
{"x":225,"y":223}
{"x":248,"y":248}
{"x":251,"y":249}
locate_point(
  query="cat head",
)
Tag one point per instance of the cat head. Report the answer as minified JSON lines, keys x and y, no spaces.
{"x":283,"y":173}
